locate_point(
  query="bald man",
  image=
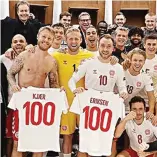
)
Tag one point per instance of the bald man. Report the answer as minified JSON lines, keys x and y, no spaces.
{"x":18,"y":45}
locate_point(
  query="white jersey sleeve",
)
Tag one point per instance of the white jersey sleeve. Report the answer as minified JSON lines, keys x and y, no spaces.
{"x":77,"y":75}
{"x":75,"y":108}
{"x":154,"y":129}
{"x":1,"y":98}
{"x":148,"y":83}
{"x":64,"y":105}
{"x":122,"y":113}
{"x":1,"y":58}
{"x":12,"y":103}
{"x":121,"y":80}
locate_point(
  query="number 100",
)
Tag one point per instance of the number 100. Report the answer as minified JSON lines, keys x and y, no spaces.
{"x":42,"y":113}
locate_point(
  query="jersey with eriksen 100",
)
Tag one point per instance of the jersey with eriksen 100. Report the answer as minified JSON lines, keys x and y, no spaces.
{"x":40,"y":111}
{"x":99,"y":112}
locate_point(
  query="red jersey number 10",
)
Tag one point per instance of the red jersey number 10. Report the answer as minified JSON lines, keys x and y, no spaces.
{"x":101,"y":117}
{"x":42,"y":114}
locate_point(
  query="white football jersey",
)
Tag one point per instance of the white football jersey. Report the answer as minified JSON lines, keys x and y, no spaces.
{"x":145,"y":132}
{"x":150,"y":67}
{"x":6,"y":61}
{"x":51,"y":50}
{"x":96,"y":53}
{"x":99,"y":112}
{"x":135,"y":84}
{"x":39,"y":118}
{"x":101,"y":76}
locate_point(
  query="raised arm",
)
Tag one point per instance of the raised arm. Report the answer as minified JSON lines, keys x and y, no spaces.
{"x":53,"y":76}
{"x":77,"y":75}
{"x":15,"y":68}
{"x":121,"y":83}
{"x":121,"y":126}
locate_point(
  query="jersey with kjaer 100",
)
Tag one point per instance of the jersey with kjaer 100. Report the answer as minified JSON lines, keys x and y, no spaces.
{"x":39,"y":118}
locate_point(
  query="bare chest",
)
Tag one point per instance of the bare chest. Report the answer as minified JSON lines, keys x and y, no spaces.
{"x":36,"y":66}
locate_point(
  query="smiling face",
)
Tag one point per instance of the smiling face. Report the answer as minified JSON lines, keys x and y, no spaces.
{"x":45,"y":39}
{"x":150,"y":22}
{"x":84,"y":22}
{"x":138,"y":107}
{"x":102,"y":28}
{"x":105,"y":48}
{"x":121,"y":37}
{"x":137,"y":62}
{"x":66,"y":21}
{"x":18,"y":43}
{"x":23,"y":12}
{"x":150,"y":46}
{"x":136,"y":39}
{"x":120,"y":20}
{"x":73,"y":40}
{"x":91,"y":37}
{"x":59,"y":34}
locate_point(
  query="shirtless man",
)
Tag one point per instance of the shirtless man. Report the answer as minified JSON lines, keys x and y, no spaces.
{"x":32,"y":70}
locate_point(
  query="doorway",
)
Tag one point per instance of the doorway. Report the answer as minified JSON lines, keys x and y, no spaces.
{"x":135,"y":17}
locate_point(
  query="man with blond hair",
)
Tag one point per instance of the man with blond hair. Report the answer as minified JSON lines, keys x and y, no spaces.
{"x":150,"y":21}
{"x":67,"y":64}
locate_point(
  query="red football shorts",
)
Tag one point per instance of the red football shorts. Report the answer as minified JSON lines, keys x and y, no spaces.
{"x":133,"y":153}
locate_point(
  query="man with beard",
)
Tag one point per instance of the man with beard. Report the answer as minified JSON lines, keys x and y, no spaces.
{"x":139,"y":130}
{"x":150,"y":21}
{"x":102,"y":27}
{"x":18,"y":45}
{"x":95,"y":76}
{"x":84,"y":23}
{"x":59,"y":37}
{"x":32,"y":70}
{"x":119,"y":21}
{"x":136,"y":35}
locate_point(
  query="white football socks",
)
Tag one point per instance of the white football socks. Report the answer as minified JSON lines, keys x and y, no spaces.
{"x":67,"y":155}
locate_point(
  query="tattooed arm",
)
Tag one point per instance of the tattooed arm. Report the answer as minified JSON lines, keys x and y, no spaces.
{"x":15,"y":68}
{"x":53,"y":76}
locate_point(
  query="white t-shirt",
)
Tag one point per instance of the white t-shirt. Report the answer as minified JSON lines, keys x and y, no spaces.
{"x":96,"y":53}
{"x":6,"y":61}
{"x":99,"y":112}
{"x":135,"y":84}
{"x":100,"y":76}
{"x":150,"y":67}
{"x":39,"y":118}
{"x":145,"y":132}
{"x":51,"y":50}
